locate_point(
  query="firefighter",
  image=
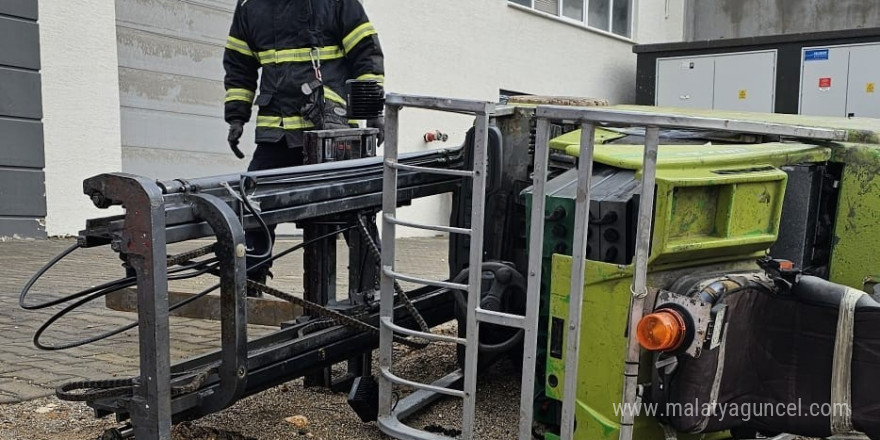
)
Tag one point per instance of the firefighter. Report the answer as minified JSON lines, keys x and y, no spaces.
{"x":306,"y":49}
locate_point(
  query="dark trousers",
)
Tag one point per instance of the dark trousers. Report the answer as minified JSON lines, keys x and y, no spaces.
{"x":268,"y":156}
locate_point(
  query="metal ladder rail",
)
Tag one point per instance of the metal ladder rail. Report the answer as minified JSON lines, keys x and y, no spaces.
{"x":579,"y":246}
{"x":388,"y":419}
{"x":589,"y":117}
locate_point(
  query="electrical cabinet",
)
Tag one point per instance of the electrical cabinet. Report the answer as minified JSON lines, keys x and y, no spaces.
{"x":824,"y":81}
{"x":738,"y":81}
{"x":862,"y":96}
{"x":841,"y":81}
{"x":745,"y":82}
{"x":685,"y":82}
{"x":831,"y":73}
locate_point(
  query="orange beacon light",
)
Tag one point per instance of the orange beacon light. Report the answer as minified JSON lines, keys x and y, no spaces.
{"x":663,"y":330}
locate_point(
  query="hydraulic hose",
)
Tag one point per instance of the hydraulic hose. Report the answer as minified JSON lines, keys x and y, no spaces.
{"x":100,"y":293}
{"x":112,"y":285}
{"x":263,"y":225}
{"x":91,"y":294}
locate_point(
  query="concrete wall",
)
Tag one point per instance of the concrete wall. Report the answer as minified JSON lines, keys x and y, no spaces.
{"x":660,"y":21}
{"x":716,"y":19}
{"x":80,"y":105}
{"x":22,"y":189}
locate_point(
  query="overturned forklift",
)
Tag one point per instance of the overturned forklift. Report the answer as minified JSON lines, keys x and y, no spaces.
{"x":661,"y":273}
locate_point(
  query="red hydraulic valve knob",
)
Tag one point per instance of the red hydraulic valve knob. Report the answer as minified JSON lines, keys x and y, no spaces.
{"x":432,"y":136}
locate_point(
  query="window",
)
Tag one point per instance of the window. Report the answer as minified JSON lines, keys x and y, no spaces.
{"x":613,"y":16}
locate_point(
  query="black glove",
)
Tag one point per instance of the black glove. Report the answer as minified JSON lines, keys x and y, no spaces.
{"x":380,"y":124}
{"x":236,"y":128}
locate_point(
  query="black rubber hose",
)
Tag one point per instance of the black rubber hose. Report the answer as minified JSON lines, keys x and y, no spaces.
{"x":27,"y":287}
{"x":263,"y":225}
{"x":63,"y":312}
{"x":105,"y":291}
{"x":114,"y":285}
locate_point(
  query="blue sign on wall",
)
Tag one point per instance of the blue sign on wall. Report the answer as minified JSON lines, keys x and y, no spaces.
{"x":816,"y":55}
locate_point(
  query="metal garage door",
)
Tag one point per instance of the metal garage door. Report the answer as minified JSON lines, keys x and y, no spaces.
{"x":22,"y":181}
{"x":171,"y":87}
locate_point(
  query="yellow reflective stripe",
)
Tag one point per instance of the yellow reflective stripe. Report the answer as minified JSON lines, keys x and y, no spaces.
{"x":333,"y":96}
{"x":359,"y":33}
{"x":379,"y":78}
{"x":269,"y":121}
{"x":300,"y":55}
{"x":288,"y":123}
{"x":239,"y":46}
{"x":240,"y":95}
{"x":296,"y":123}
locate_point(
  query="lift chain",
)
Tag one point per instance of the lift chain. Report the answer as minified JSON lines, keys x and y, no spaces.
{"x":184,"y":257}
{"x":404,"y":298}
{"x":319,"y":310}
{"x":91,"y":390}
{"x":95,"y":389}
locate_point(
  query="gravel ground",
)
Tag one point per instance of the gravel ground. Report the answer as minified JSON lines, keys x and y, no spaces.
{"x":262,"y":416}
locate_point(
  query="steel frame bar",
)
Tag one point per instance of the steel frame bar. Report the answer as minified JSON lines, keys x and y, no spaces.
{"x":231,"y":251}
{"x":442,"y":171}
{"x":437,"y":228}
{"x":479,"y":108}
{"x":307,"y":211}
{"x":285,"y":201}
{"x":333,"y":170}
{"x":418,"y":400}
{"x":640,"y":276}
{"x":387,"y":374}
{"x":500,"y":318}
{"x":576,"y":288}
{"x":533,"y":283}
{"x":475,"y":277}
{"x":143,"y":241}
{"x":411,"y":279}
{"x":419,"y":334}
{"x":389,"y":207}
{"x":644,"y":119}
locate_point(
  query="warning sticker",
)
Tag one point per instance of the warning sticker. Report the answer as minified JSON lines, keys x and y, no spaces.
{"x":869,"y":88}
{"x":825,"y":82}
{"x":743,"y":94}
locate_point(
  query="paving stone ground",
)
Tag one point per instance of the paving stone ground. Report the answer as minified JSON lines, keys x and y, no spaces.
{"x":28,"y":373}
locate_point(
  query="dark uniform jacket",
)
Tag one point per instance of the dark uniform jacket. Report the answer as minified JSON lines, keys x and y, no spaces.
{"x":284,"y":38}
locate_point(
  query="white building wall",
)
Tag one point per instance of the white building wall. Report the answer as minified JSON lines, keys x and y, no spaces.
{"x":472,"y":48}
{"x":80,"y":106}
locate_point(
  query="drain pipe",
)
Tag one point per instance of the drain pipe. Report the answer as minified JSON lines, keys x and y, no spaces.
{"x":640,"y":282}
